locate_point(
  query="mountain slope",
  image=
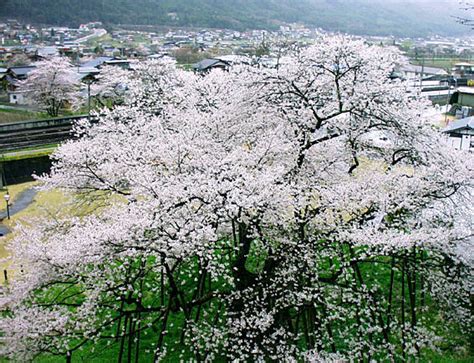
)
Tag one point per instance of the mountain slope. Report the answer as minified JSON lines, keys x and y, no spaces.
{"x":378,"y":17}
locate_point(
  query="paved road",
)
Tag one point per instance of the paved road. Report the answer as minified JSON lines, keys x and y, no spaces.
{"x":96,"y":34}
{"x":21,"y":202}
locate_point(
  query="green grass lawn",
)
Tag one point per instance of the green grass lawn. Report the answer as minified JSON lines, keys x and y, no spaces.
{"x":44,"y":204}
{"x":55,"y":203}
{"x":444,"y":63}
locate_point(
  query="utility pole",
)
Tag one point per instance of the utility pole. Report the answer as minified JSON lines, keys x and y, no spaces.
{"x":422,"y":72}
{"x":447,"y":106}
{"x":89,"y":99}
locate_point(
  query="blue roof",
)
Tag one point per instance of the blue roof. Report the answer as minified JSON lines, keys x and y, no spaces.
{"x":465,"y":123}
{"x":21,"y":70}
{"x":209,"y":63}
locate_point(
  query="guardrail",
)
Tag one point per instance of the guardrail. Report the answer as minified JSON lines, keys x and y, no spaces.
{"x":21,"y":135}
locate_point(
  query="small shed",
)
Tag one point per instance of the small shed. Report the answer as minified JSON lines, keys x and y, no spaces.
{"x":464,"y":96}
{"x":17,"y":97}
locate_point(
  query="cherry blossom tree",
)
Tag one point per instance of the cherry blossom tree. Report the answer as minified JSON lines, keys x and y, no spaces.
{"x":53,"y":84}
{"x":305,"y":213}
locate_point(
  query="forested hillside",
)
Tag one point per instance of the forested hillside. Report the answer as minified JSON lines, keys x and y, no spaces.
{"x":381,"y":17}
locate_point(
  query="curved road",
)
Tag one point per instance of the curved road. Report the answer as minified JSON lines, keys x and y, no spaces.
{"x":97,"y":33}
{"x":21,"y":202}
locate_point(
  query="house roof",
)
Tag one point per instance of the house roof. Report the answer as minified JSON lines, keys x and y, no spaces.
{"x":96,"y":62}
{"x":163,"y":57}
{"x":426,"y":70}
{"x":231,"y":58}
{"x":88,"y":70}
{"x":79,"y":77}
{"x":442,"y":92}
{"x":465,"y":123}
{"x":10,"y":80}
{"x":47,"y":51}
{"x":118,"y":61}
{"x":466,"y":90}
{"x":209,"y":63}
{"x":21,"y":71}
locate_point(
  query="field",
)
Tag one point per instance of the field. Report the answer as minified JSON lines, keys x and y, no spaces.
{"x":134,"y":40}
{"x":444,"y":63}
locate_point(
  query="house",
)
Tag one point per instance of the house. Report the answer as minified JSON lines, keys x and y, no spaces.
{"x":267,"y":62}
{"x":96,"y":62}
{"x":437,"y":95}
{"x":463,"y":69}
{"x":93,"y":67}
{"x":162,"y":57}
{"x":208,"y":64}
{"x":13,"y":77}
{"x":122,"y":63}
{"x":47,"y":52}
{"x":20,"y":72}
{"x":410,"y":71}
{"x":234,"y":59}
{"x":110,"y":51}
{"x":460,"y":134}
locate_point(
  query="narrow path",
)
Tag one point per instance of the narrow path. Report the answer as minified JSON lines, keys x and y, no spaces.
{"x":20,"y":203}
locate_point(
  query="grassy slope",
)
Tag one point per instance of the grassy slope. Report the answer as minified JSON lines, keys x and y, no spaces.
{"x":9,"y":115}
{"x":55,"y":203}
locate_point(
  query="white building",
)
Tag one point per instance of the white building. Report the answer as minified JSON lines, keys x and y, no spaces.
{"x":414,"y":72}
{"x":461,"y":134}
{"x":17,"y":97}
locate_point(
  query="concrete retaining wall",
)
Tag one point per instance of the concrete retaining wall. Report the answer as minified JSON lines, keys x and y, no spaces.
{"x":20,"y":171}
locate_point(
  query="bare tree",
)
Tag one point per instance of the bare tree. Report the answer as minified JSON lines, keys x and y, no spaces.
{"x":468,"y":7}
